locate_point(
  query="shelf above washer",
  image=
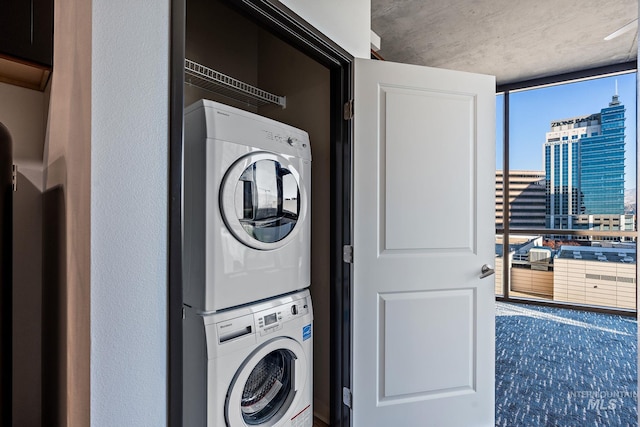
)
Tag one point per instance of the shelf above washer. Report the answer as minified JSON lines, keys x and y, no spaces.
{"x":213,"y":81}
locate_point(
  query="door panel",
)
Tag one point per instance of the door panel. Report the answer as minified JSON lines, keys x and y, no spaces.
{"x":410,"y":182}
{"x":423,"y":319}
{"x":406,"y":375}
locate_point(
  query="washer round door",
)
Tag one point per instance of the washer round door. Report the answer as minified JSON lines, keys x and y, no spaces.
{"x":267,"y":387}
{"x":262,"y":200}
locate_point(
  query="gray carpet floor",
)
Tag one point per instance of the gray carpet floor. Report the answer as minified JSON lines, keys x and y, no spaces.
{"x":561,"y":367}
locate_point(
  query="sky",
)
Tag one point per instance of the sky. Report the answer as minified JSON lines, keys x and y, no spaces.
{"x":532,"y":111}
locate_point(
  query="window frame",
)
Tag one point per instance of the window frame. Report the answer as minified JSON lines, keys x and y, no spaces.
{"x":506,"y":232}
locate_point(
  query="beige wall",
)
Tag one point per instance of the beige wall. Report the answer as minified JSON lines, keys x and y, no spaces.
{"x":498,"y":276}
{"x":610,"y":284}
{"x":67,"y":196}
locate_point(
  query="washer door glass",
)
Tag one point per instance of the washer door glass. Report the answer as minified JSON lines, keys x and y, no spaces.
{"x":269,"y":388}
{"x":261,"y":200}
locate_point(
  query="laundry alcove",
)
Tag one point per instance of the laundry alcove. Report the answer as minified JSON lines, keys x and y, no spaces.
{"x":243,"y":42}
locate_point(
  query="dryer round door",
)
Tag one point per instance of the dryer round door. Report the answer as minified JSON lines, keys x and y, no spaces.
{"x":267,"y":387}
{"x":262,"y":200}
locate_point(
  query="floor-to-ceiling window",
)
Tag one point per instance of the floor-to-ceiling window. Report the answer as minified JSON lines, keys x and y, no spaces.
{"x":566,"y":158}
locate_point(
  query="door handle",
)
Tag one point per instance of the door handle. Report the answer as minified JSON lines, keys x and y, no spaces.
{"x":486,"y":271}
{"x":297,"y":375}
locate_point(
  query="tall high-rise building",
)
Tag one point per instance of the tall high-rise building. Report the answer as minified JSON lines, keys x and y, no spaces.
{"x":584,"y":169}
{"x":526,"y":199}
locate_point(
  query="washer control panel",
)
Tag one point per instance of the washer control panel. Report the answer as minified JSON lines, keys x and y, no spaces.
{"x":272,"y":319}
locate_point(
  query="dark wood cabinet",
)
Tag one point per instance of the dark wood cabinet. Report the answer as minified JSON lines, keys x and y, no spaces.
{"x":26,"y":30}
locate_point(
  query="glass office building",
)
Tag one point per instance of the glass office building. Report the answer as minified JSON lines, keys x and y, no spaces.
{"x":584,"y":170}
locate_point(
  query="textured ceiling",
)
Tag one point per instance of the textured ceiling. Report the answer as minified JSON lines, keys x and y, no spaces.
{"x":515,"y":40}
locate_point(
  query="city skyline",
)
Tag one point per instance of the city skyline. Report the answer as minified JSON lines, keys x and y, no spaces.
{"x":532,"y":111}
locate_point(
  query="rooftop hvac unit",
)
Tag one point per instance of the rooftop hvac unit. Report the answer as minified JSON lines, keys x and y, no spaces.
{"x":539,"y":255}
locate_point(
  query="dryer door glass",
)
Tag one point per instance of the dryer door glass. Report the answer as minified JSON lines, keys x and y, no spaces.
{"x":269,"y":389}
{"x":267,"y":201}
{"x":263,"y":200}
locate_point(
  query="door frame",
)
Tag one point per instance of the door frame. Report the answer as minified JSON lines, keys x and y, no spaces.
{"x":291,"y":28}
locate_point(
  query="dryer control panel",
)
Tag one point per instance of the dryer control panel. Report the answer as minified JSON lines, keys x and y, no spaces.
{"x":290,"y":139}
{"x":272,"y":319}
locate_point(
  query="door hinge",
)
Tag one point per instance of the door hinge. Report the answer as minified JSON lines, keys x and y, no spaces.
{"x":346,"y":397}
{"x":348,"y":110}
{"x":347,"y":254}
{"x":184,"y":313}
{"x":14,"y":177}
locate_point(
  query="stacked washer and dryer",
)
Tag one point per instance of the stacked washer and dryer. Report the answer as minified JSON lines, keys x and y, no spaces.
{"x":248,"y":345}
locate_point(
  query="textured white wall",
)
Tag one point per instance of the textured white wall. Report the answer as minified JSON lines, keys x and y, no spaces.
{"x":129,"y":149}
{"x":347,"y":23}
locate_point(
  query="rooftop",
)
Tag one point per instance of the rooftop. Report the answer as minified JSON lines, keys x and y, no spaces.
{"x":591,"y":253}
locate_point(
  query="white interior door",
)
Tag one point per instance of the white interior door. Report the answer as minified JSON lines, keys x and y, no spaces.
{"x":423,"y":318}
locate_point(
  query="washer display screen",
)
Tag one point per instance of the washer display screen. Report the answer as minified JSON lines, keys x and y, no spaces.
{"x":270,"y":318}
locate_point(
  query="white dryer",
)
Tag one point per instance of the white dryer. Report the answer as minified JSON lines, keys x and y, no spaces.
{"x":246,"y":207}
{"x":250,"y":366}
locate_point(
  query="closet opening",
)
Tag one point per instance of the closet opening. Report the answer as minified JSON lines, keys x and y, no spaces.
{"x":266,"y":46}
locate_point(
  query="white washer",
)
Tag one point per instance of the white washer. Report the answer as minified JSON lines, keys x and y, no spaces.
{"x":246,"y":207}
{"x":250,"y":366}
